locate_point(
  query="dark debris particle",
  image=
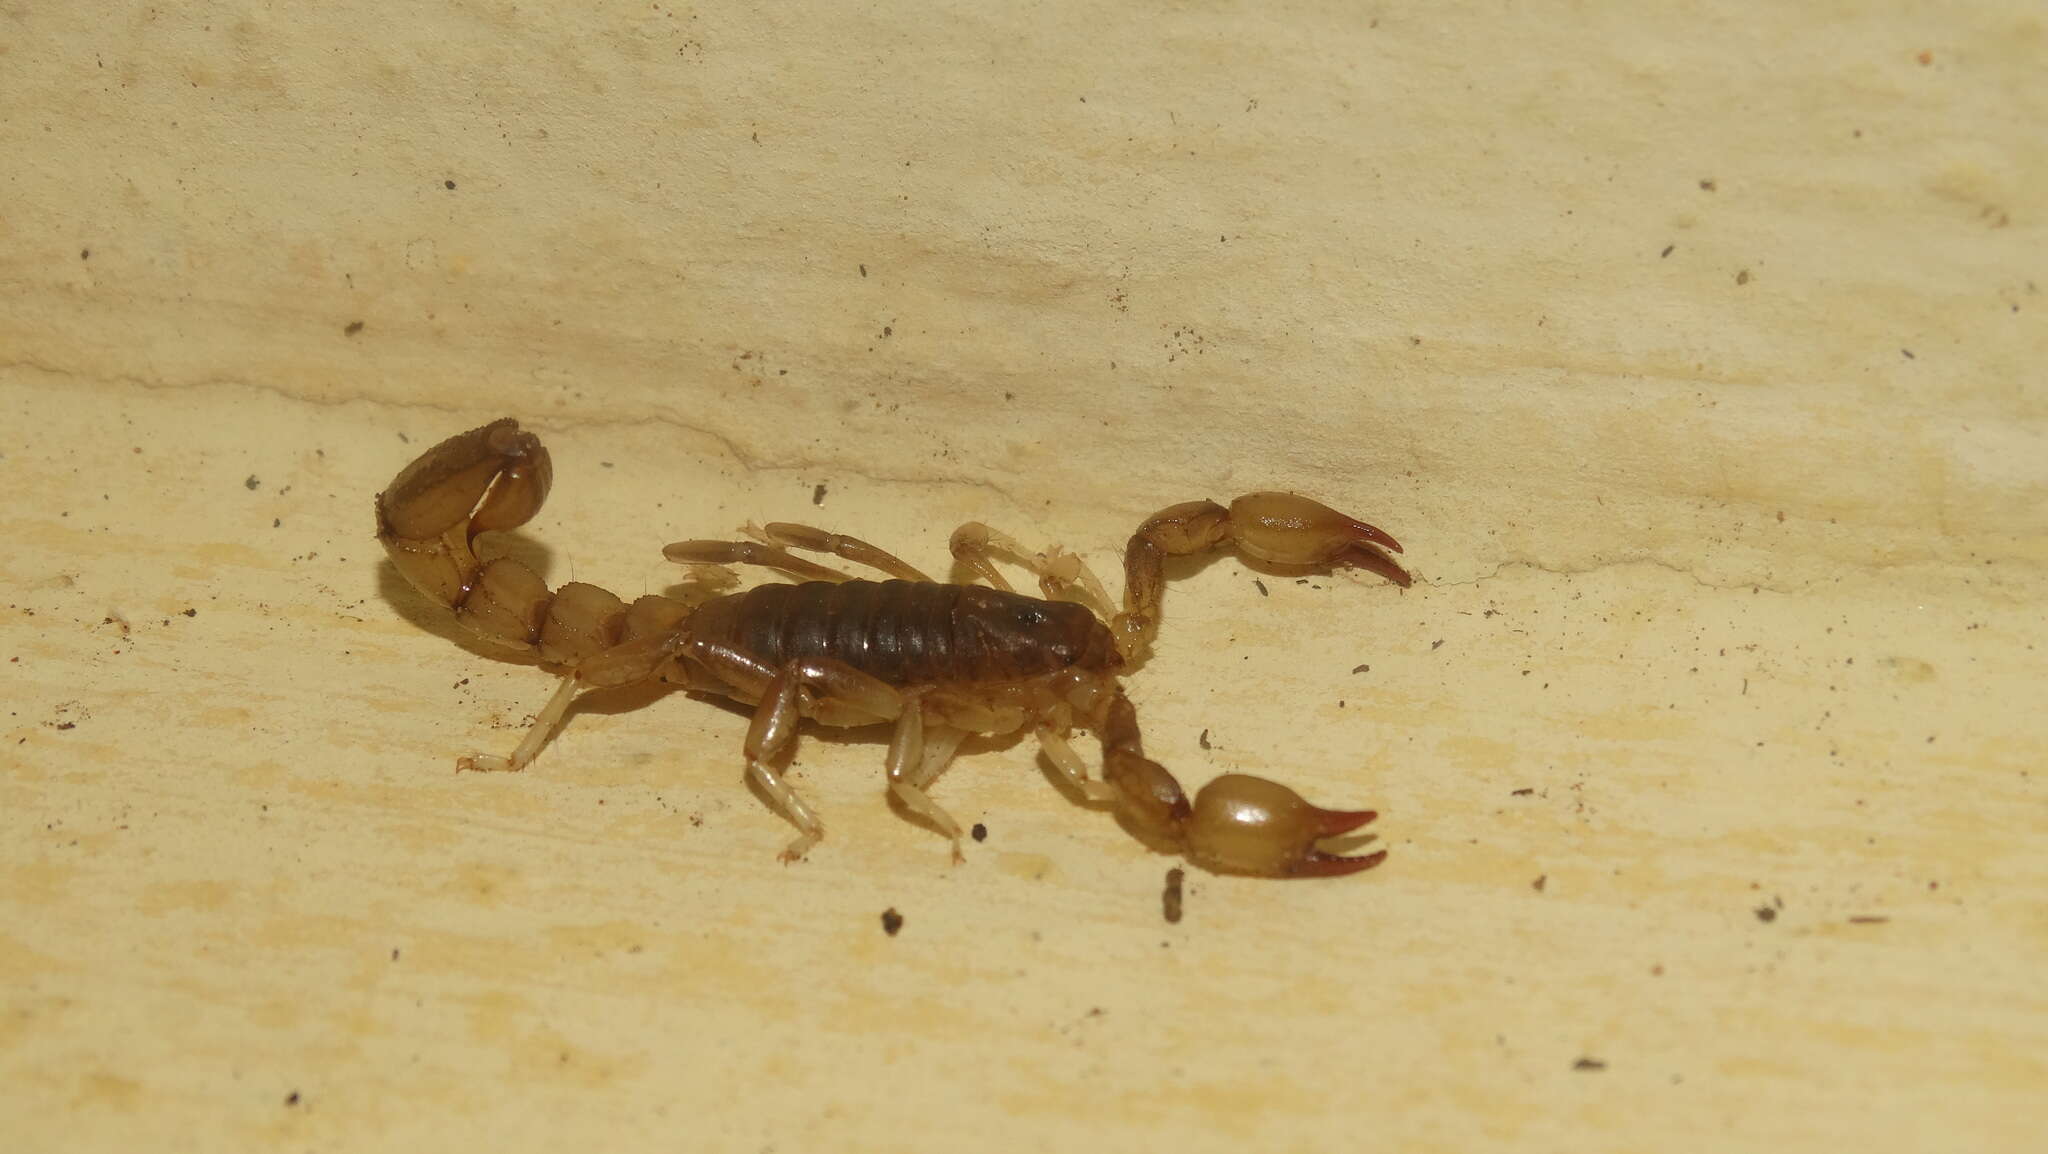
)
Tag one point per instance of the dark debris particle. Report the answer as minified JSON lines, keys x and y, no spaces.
{"x":277,"y":522}
{"x":1668,"y":250}
{"x":1538,"y":884}
{"x":292,"y":1099}
{"x":891,"y":921}
{"x":863,"y":270}
{"x":1908,"y":354}
{"x":1868,"y":920}
{"x":1766,"y":914}
{"x":252,"y":483}
{"x":1707,"y":185}
{"x":1262,"y":587}
{"x":191,"y":612}
{"x":1593,"y":1064}
{"x":1436,"y":645}
{"x":1525,"y":791}
{"x":448,"y":184}
{"x":1170,"y":899}
{"x":979,"y":832}
{"x":1203,"y":740}
{"x":85,"y":254}
{"x":67,"y":725}
{"x":818,"y":495}
{"x":1361,"y":669}
{"x":1742,"y":277}
{"x":351,"y":328}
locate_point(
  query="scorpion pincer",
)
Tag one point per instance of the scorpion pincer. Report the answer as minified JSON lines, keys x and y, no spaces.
{"x":935,"y":661}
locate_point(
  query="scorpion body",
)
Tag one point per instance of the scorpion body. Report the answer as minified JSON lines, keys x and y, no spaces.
{"x":935,"y":661}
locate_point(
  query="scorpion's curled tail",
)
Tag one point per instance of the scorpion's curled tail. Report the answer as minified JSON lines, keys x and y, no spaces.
{"x":493,"y":478}
{"x":1236,"y":824}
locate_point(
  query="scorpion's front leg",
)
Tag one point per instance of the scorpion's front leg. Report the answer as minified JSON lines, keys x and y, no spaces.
{"x":783,"y":694}
{"x":1280,"y":528}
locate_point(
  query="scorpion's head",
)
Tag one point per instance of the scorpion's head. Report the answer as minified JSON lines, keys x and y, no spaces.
{"x":1247,"y":825}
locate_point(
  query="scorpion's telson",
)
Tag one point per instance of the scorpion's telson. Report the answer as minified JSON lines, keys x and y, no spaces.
{"x":935,"y":661}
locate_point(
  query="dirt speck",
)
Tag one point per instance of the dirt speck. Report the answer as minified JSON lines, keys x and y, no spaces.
{"x":818,"y":495}
{"x":252,"y":483}
{"x":1540,"y":882}
{"x":891,"y":921}
{"x":980,"y":832}
{"x":1170,"y":899}
{"x":1593,"y":1065}
{"x":351,"y":328}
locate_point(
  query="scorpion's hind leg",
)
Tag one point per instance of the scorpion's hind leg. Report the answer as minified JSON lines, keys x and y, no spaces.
{"x":544,"y":725}
{"x":785,"y":694}
{"x":853,"y":549}
{"x":1060,"y":574}
{"x":1280,"y":528}
{"x":750,"y":553}
{"x":916,"y":756}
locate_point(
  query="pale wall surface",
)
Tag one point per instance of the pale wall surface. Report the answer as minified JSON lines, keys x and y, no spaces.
{"x":1696,"y":357}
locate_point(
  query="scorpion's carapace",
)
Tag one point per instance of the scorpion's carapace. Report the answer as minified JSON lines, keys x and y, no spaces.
{"x":934,"y":661}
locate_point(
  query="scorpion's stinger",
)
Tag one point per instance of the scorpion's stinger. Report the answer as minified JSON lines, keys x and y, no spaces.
{"x":493,"y":478}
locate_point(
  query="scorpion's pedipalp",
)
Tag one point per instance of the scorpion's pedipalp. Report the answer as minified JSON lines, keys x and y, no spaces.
{"x":1249,"y":825}
{"x":1279,"y":528}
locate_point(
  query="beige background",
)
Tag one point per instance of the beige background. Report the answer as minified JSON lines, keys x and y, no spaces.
{"x":1696,"y":356}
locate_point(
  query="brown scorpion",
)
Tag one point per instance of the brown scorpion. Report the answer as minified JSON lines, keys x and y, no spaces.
{"x":937,"y":661}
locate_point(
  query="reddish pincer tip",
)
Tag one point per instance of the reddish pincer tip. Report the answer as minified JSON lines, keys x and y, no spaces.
{"x":1370,"y":559}
{"x":1335,"y":822}
{"x":1374,"y":534}
{"x":1318,"y":864}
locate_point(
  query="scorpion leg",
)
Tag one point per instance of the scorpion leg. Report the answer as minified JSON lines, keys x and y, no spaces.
{"x":1060,"y":574}
{"x":906,"y":763}
{"x":1072,"y":769}
{"x":544,"y":725}
{"x":838,"y":544}
{"x":749,"y":553}
{"x":1280,"y":528}
{"x":784,"y":696}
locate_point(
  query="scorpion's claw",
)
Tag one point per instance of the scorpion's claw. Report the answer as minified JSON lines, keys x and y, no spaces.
{"x":1291,"y":530}
{"x":1248,"y":825}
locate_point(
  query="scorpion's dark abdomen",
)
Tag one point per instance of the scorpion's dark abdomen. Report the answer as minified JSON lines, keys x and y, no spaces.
{"x":911,"y":632}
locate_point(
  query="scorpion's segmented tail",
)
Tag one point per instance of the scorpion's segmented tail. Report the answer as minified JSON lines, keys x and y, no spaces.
{"x":493,"y":478}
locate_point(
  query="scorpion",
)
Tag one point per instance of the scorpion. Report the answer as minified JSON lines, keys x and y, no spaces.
{"x":937,"y":661}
